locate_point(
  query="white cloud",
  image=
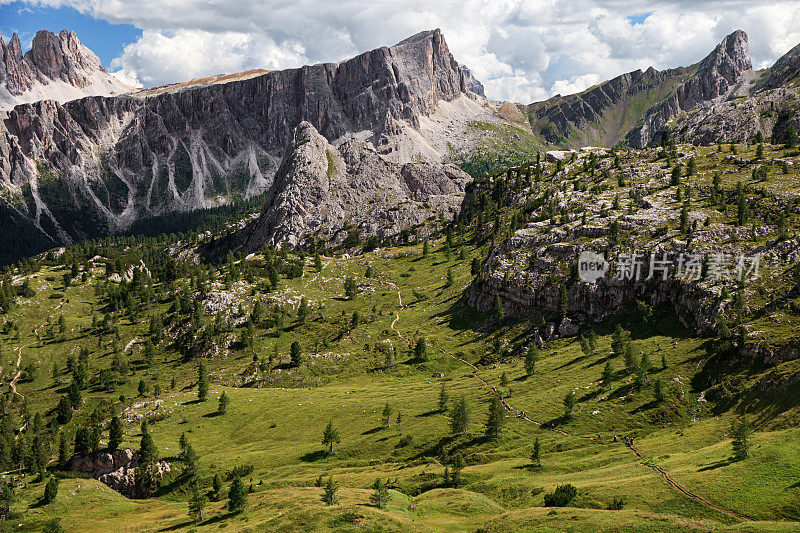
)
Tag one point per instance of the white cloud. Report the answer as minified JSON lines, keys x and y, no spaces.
{"x":523,"y":50}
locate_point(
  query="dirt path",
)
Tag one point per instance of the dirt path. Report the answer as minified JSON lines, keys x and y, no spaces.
{"x":664,"y":475}
{"x":687,"y":492}
{"x":19,"y":373}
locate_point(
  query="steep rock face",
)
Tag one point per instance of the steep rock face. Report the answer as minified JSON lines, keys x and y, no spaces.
{"x":715,"y":77}
{"x":117,"y":469}
{"x":767,"y":104}
{"x":95,"y":165}
{"x":606,"y":114}
{"x":322,"y":190}
{"x":473,"y":84}
{"x":57,"y":67}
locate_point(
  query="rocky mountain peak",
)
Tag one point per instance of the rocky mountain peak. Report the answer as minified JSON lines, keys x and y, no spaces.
{"x":14,"y":47}
{"x":57,"y":67}
{"x":729,"y":59}
{"x":63,"y":57}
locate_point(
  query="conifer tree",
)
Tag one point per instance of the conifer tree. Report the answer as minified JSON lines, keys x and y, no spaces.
{"x":497,"y":417}
{"x":330,"y":437}
{"x":569,"y":404}
{"x":202,"y":382}
{"x":237,"y":496}
{"x":387,"y":415}
{"x":330,"y":492}
{"x":741,"y":431}
{"x":224,"y":401}
{"x":459,"y":417}
{"x":443,"y":398}
{"x":531,"y":358}
{"x":295,"y":354}
{"x":380,"y":494}
{"x":535,"y":458}
{"x":458,"y":466}
{"x":197,"y":503}
{"x":50,"y":490}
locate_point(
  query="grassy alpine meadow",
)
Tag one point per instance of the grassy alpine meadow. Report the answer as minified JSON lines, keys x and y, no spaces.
{"x":357,"y":389}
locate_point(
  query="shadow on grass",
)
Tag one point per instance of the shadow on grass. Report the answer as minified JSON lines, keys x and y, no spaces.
{"x":312,"y":457}
{"x":429,"y":413}
{"x":718,"y":464}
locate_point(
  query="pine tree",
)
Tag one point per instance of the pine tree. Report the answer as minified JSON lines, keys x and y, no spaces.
{"x":197,"y":503}
{"x":330,"y":436}
{"x":350,"y":288}
{"x":535,"y":459}
{"x":380,"y":494}
{"x":387,"y":415}
{"x":147,"y":448}
{"x":50,"y":490}
{"x":216,"y":487}
{"x":658,"y":391}
{"x":330,"y":492}
{"x":189,"y":458}
{"x":608,"y":374}
{"x":497,"y":417}
{"x":499,"y":312}
{"x":302,"y":310}
{"x":82,"y":441}
{"x":459,"y":417}
{"x":455,"y":474}
{"x":630,"y":359}
{"x":644,"y":368}
{"x":421,"y":350}
{"x":295,"y":354}
{"x":149,"y":353}
{"x":237,"y":496}
{"x":741,"y":432}
{"x":619,"y":340}
{"x":531,"y":358}
{"x":569,"y":404}
{"x":64,"y":410}
{"x":63,"y":450}
{"x":224,"y":401}
{"x":443,"y":398}
{"x":202,"y":382}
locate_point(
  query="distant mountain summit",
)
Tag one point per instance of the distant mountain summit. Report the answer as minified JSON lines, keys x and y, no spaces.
{"x":57,"y":67}
{"x":635,"y":107}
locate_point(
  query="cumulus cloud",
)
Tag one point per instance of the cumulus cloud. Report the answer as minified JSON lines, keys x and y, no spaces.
{"x":522,"y":50}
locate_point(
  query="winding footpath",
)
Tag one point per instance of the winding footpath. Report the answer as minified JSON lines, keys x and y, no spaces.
{"x":642,"y":461}
{"x":14,"y":381}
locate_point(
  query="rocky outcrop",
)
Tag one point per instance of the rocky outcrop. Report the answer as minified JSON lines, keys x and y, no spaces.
{"x":473,"y":84}
{"x":117,"y":469}
{"x":325,"y":191}
{"x":57,"y":67}
{"x":94,"y":166}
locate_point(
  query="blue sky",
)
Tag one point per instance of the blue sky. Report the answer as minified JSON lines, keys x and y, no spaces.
{"x":522,"y":50}
{"x":104,"y":39}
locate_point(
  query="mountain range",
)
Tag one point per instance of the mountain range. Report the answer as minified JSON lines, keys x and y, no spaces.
{"x":74,"y":167}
